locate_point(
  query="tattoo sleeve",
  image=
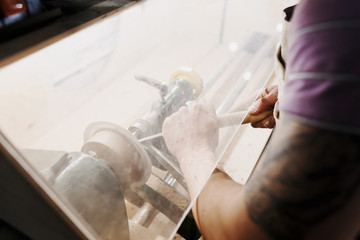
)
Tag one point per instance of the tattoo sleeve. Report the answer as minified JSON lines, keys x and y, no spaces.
{"x":306,"y":175}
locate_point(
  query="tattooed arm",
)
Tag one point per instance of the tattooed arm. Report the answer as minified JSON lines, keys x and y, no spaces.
{"x":307,"y":187}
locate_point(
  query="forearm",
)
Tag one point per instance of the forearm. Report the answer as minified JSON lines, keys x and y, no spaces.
{"x":216,"y":207}
{"x":214,"y":204}
{"x":220,"y":211}
{"x":196,"y":167}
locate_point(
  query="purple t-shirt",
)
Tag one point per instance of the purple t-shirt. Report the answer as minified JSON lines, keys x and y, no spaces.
{"x":323,"y":68}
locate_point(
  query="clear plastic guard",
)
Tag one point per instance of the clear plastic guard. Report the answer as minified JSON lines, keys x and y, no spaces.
{"x":50,"y":97}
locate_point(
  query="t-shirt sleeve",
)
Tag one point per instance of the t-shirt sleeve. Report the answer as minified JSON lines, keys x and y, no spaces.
{"x":323,"y":69}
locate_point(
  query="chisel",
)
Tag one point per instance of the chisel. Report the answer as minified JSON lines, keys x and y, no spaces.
{"x":226,"y":120}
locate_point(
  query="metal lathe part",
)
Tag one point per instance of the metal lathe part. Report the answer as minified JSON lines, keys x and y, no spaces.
{"x":121,"y":151}
{"x":94,"y":191}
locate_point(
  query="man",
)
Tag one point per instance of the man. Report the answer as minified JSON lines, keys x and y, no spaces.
{"x":307,"y":185}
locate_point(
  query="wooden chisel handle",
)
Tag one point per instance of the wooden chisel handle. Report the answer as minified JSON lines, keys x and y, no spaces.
{"x":230,"y":119}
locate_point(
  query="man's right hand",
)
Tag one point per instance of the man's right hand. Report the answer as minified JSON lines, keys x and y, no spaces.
{"x":265,"y":101}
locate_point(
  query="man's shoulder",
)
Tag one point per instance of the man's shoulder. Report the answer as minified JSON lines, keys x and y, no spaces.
{"x":323,"y":76}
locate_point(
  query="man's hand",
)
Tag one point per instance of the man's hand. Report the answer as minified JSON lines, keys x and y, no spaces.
{"x":191,"y":129}
{"x":191,"y":136}
{"x":265,"y":101}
